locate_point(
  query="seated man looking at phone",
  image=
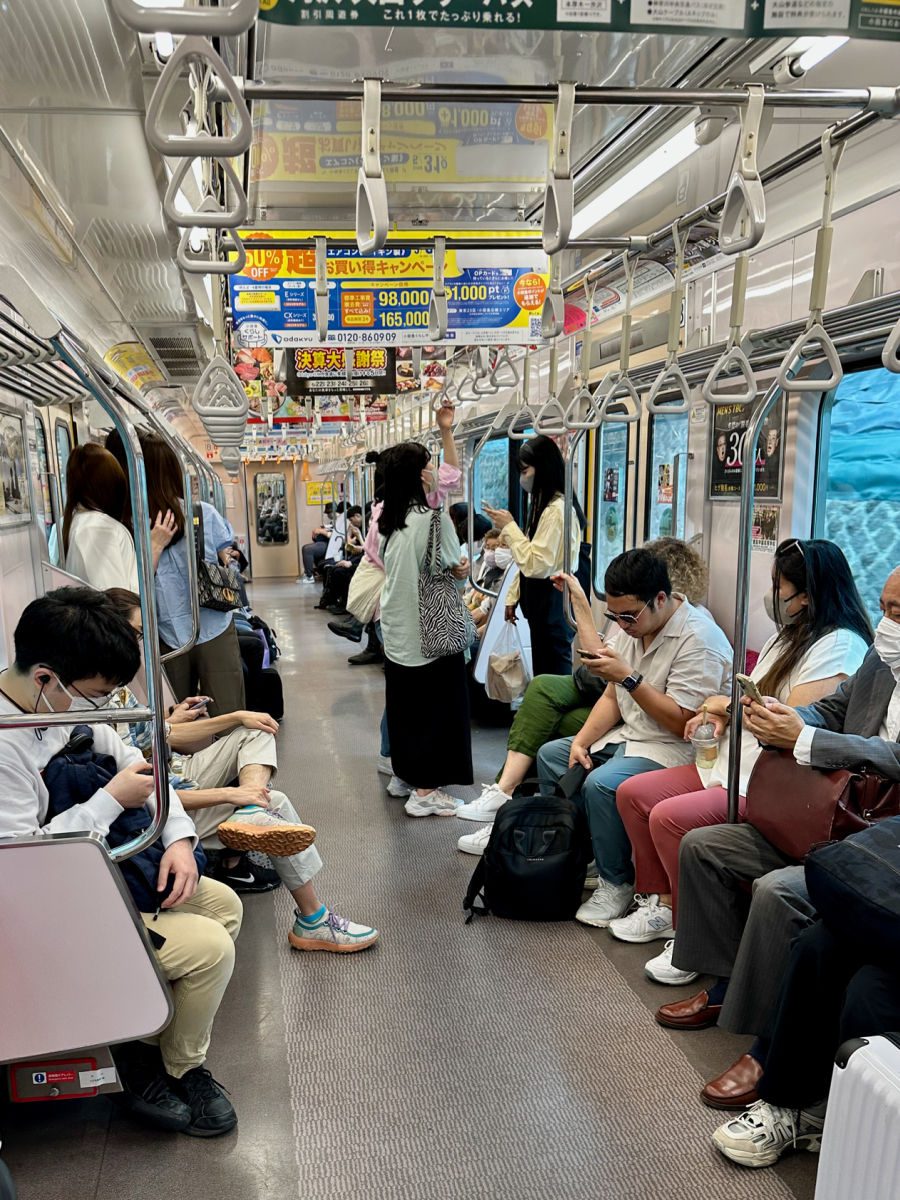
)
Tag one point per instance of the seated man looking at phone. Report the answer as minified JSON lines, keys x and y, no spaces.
{"x":248,"y":816}
{"x":666,"y":657}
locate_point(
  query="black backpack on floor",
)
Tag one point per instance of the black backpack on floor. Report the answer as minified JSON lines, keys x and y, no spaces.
{"x":533,"y":867}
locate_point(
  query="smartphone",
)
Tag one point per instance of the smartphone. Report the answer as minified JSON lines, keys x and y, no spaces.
{"x":586,"y":654}
{"x":749,"y":688}
{"x":203,"y":702}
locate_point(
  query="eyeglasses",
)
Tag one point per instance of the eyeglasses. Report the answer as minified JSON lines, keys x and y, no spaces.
{"x":626,"y":618}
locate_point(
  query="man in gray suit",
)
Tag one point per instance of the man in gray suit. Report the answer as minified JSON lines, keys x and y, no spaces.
{"x":746,"y":942}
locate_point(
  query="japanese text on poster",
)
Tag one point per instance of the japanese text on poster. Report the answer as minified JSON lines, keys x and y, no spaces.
{"x":729,"y":427}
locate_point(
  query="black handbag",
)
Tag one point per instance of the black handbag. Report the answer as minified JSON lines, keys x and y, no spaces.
{"x":215,"y":586}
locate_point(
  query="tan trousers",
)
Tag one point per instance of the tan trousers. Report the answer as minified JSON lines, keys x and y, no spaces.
{"x":197,"y":959}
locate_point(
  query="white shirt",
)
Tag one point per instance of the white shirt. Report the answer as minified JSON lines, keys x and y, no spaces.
{"x":889,"y":731}
{"x":688,"y":660}
{"x":837,"y":653}
{"x":101,"y":551}
{"x":24,"y":799}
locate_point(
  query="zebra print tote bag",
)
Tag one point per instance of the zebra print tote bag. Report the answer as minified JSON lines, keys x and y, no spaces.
{"x":445,"y":626}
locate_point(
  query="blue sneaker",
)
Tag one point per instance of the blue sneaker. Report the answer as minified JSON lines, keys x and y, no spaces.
{"x":333,"y":933}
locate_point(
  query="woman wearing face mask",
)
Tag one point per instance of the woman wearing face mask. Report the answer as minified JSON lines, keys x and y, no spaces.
{"x":539,"y":553}
{"x":822,"y":635}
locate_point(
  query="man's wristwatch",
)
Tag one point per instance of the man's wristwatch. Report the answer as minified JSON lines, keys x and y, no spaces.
{"x":630,"y":682}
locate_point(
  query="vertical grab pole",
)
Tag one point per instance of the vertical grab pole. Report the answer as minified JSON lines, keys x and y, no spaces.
{"x":574,"y":445}
{"x":742,"y":610}
{"x":137,"y":479}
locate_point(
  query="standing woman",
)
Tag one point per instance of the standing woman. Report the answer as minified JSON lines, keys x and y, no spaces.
{"x":97,"y":544}
{"x":213,"y":666}
{"x":539,"y":553}
{"x":427,"y":699}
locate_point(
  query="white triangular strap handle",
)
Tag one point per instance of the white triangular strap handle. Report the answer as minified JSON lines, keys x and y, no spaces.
{"x":723,"y":372}
{"x":372,"y":219}
{"x":524,"y":413}
{"x":219,"y":374}
{"x":802,"y":348}
{"x":743,"y":220}
{"x":176,"y":145}
{"x":438,"y":313}
{"x":551,"y":420}
{"x":466,"y":390}
{"x":620,"y":391}
{"x":583,"y":400}
{"x":559,"y":195}
{"x":231,"y":244}
{"x":485,"y":386}
{"x":553,"y":313}
{"x":890,"y":355}
{"x":505,"y":372}
{"x":228,"y":20}
{"x":210,"y":214}
{"x":671,"y":378}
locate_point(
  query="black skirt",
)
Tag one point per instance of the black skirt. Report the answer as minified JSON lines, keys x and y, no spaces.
{"x":428,"y":722}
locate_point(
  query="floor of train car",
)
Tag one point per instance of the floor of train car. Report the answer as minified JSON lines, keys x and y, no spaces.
{"x":495,"y":1061}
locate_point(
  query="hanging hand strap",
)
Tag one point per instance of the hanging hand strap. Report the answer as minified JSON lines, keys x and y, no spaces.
{"x":743,"y":220}
{"x":671,"y":377}
{"x":733,"y":359}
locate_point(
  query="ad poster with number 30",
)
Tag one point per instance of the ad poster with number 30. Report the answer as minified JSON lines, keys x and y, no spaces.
{"x":729,"y":425}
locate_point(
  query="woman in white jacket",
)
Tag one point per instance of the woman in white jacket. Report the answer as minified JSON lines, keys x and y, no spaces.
{"x":97,"y":545}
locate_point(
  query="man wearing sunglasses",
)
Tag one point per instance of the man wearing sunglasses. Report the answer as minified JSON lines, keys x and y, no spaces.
{"x":662,"y":658}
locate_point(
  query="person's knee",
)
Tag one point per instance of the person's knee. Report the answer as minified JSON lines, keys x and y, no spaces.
{"x":279,"y":803}
{"x":779,"y":890}
{"x":212,"y":951}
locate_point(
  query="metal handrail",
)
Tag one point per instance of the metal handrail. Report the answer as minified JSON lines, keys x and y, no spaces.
{"x":505,"y":414}
{"x":575,"y":440}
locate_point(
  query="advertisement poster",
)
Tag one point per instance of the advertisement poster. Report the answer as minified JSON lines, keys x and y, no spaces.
{"x":319,"y":492}
{"x":765,"y":527}
{"x":611,"y":485}
{"x":729,"y":426}
{"x":314,"y":370}
{"x":131,"y":362}
{"x":432,"y":375}
{"x":383,"y":299}
{"x":664,"y":489}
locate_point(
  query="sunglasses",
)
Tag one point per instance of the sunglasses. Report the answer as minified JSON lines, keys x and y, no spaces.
{"x":626,"y":618}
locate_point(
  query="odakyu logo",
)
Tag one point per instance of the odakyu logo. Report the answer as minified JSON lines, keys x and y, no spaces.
{"x":251,"y":335}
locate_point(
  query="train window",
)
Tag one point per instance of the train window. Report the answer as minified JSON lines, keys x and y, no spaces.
{"x":668,"y":469}
{"x":271,"y":509}
{"x":46,"y":498}
{"x":610,"y":498}
{"x":858,"y":492}
{"x":63,"y":438}
{"x":492,"y":475}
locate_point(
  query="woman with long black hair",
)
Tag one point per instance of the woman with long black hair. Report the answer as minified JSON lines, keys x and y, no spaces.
{"x":427,"y":699}
{"x":539,"y":553}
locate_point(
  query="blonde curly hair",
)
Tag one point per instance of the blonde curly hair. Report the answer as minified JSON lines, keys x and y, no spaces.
{"x":687,"y":570}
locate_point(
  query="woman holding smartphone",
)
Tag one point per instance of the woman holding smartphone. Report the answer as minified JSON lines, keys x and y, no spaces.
{"x":539,"y":552}
{"x":822,"y":635}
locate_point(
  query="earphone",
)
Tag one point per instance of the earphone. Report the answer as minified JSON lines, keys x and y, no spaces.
{"x":44,"y":679}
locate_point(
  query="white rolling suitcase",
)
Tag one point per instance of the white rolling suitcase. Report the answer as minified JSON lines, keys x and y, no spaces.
{"x":860,"y":1158}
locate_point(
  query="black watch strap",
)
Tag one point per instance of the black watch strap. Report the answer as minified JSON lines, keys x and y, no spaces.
{"x":630,"y":682}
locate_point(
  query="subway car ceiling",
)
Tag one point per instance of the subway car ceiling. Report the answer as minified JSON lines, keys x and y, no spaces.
{"x":671,"y":151}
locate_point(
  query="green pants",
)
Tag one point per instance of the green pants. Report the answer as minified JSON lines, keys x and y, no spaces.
{"x":553,"y":707}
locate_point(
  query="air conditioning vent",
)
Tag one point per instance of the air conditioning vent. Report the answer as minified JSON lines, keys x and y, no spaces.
{"x":179,"y":351}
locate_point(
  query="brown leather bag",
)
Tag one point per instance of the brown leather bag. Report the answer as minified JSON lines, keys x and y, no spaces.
{"x":796,"y":807}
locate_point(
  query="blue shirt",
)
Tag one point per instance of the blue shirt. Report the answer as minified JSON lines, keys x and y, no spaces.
{"x":173,"y":600}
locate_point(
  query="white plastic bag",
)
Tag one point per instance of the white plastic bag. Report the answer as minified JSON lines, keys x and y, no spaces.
{"x":507,"y":673}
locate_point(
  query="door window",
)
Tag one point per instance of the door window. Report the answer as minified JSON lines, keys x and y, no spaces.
{"x":63,"y":450}
{"x":270,"y":489}
{"x":610,"y":498}
{"x":667,"y":481}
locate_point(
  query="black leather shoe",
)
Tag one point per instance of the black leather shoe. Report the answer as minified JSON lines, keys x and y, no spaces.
{"x":351,"y":630}
{"x":211,"y":1111}
{"x":148,"y":1093}
{"x":365,"y":658}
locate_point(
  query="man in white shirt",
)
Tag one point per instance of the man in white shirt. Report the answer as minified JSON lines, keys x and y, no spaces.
{"x":73,"y":649}
{"x":746,"y":945}
{"x":662,"y":662}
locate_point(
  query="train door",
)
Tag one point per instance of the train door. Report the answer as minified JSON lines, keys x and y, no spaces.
{"x":45,"y":494}
{"x":272,"y":519}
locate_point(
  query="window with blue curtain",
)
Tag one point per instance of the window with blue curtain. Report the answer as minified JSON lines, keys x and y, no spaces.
{"x":858,"y":495}
{"x":668,"y":467}
{"x":492,"y":475}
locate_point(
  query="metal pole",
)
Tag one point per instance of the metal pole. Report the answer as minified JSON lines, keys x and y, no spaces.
{"x":450,"y":93}
{"x":407,"y":241}
{"x":742,"y":609}
{"x":91,"y":378}
{"x":574,"y":445}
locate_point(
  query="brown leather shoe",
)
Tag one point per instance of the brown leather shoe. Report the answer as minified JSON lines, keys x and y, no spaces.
{"x":736,"y":1087}
{"x":695,"y":1013}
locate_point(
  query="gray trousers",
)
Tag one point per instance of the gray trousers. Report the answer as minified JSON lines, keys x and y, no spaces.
{"x":736,"y":931}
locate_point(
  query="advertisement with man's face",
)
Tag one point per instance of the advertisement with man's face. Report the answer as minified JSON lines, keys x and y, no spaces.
{"x":729,"y":428}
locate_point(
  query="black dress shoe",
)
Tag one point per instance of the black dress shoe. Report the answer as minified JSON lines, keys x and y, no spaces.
{"x":337,"y":610}
{"x":365,"y":658}
{"x":348,"y":629}
{"x":246,"y":878}
{"x":148,"y":1094}
{"x":212,"y":1113}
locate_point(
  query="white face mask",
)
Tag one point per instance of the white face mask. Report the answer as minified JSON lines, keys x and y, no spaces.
{"x":887,"y":644}
{"x":526,"y":482}
{"x":489,"y":558}
{"x":502,"y":558}
{"x":78,"y":702}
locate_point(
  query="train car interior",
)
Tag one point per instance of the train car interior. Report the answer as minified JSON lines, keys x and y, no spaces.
{"x":440,"y":408}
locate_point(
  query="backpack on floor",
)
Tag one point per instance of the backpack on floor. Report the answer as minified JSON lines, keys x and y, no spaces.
{"x":533,"y":867}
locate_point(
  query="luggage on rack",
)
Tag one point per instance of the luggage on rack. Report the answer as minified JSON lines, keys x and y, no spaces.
{"x":860,"y":1154}
{"x":265,"y":693}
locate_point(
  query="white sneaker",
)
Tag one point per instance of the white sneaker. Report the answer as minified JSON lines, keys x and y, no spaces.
{"x":397,"y":788}
{"x":384,"y":765}
{"x":592,"y":878}
{"x":759,"y":1136}
{"x":609,"y":901}
{"x":306,"y":579}
{"x":649,"y":921}
{"x":475,"y":843}
{"x":434,"y":804}
{"x":660,"y":969}
{"x":486,"y":806}
{"x":333,"y":933}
